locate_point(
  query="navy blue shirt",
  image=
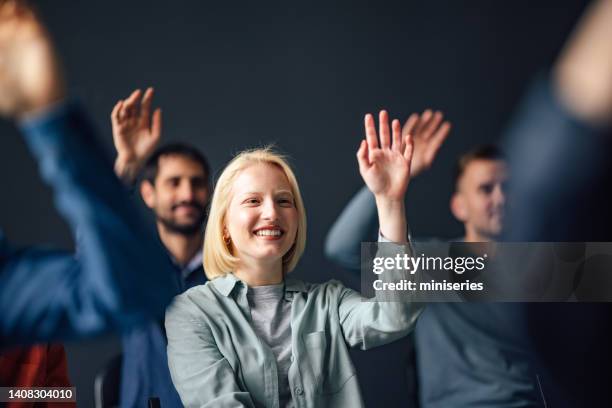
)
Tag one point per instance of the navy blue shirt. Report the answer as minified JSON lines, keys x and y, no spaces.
{"x":144,"y":371}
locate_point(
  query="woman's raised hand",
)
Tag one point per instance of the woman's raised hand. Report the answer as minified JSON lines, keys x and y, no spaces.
{"x":385,"y":164}
{"x":385,"y":168}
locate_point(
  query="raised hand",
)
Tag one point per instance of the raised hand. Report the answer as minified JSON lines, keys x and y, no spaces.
{"x":428,"y":133}
{"x":385,"y":168}
{"x":135,"y":132}
{"x":30,"y":78}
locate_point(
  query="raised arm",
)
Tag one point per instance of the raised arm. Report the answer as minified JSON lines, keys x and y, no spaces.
{"x":120,"y":275}
{"x":357,"y":223}
{"x":385,"y":168}
{"x":559,"y":145}
{"x":560,"y":150}
{"x":136,"y":133}
{"x":384,"y":165}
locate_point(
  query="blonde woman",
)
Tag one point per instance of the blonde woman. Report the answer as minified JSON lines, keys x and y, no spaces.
{"x":255,"y":337}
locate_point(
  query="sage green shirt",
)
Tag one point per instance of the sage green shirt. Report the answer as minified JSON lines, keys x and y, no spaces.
{"x":217,"y":360}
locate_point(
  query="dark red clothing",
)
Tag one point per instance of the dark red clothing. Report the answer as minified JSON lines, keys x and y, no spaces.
{"x":43,"y":365}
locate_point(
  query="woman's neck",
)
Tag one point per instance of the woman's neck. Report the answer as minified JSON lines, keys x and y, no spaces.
{"x":260,"y":274}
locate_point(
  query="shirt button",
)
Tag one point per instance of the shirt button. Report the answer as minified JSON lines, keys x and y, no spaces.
{"x":299,"y":390}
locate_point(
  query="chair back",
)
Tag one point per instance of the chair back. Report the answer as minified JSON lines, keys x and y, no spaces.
{"x":107,"y":384}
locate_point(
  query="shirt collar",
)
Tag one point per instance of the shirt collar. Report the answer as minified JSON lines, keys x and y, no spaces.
{"x":225,"y":284}
{"x":192,"y":266}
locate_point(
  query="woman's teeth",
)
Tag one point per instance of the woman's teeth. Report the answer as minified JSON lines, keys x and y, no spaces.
{"x":268,"y":233}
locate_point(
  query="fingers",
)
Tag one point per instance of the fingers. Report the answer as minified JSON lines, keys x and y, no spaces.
{"x":410,"y":124}
{"x":14,"y":8}
{"x":383,"y":126}
{"x":396,"y":128}
{"x":370,"y":131}
{"x":130,"y":105}
{"x":433,"y":124}
{"x":390,"y":138}
{"x":436,"y":141}
{"x":423,"y":122}
{"x":122,"y":114}
{"x":409,"y":148}
{"x":156,"y":125}
{"x":145,"y":107}
{"x":362,"y":155}
{"x":17,"y":17}
{"x":115,"y":113}
{"x":8,"y":9}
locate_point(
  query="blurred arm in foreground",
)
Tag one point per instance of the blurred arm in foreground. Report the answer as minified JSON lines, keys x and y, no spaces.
{"x":120,"y":275}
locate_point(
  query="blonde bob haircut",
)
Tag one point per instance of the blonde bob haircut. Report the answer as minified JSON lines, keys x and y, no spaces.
{"x":218,"y":257}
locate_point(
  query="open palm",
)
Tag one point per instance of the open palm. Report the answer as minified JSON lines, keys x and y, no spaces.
{"x":385,"y":166}
{"x":429,"y":131}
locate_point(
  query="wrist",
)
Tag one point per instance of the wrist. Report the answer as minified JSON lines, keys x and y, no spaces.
{"x":389,"y":204}
{"x":127,"y":170}
{"x":392,"y":219}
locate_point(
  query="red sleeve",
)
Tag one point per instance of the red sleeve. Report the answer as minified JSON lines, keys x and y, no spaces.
{"x":57,"y":372}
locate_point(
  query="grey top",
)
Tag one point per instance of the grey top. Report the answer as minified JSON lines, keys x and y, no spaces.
{"x":271,"y":320}
{"x":217,"y":359}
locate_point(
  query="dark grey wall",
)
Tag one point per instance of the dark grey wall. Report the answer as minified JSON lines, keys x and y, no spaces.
{"x":300,"y":74}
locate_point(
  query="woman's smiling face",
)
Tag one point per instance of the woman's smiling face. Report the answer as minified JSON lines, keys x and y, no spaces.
{"x":261,"y":219}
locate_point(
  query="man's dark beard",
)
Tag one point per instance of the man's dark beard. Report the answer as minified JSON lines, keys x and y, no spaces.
{"x":187,"y":229}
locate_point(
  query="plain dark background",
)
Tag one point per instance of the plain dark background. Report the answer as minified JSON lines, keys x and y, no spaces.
{"x":300,"y":75}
